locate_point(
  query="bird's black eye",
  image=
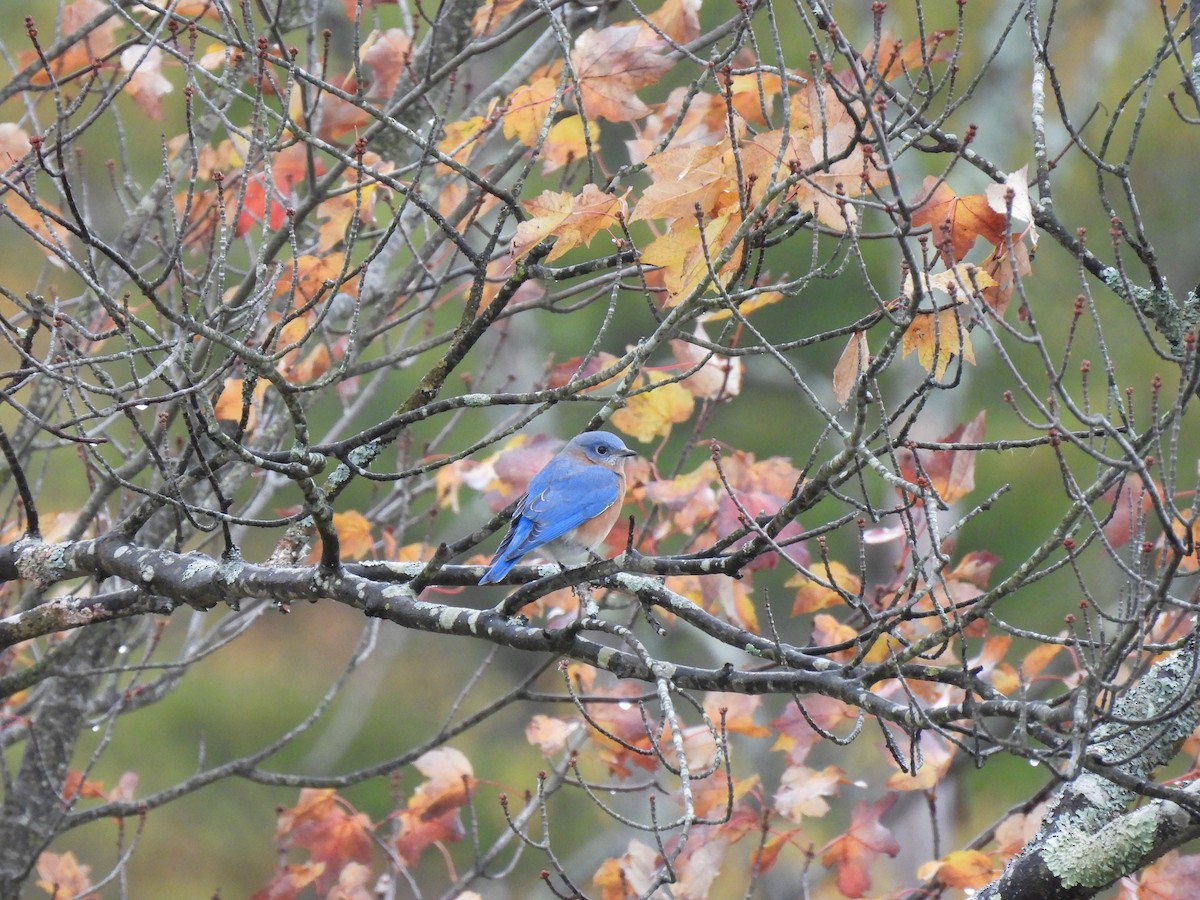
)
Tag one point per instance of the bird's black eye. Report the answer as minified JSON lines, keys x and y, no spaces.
{"x":601,"y":449}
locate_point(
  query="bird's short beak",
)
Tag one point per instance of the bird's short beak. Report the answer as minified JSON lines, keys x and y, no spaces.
{"x":628,"y":452}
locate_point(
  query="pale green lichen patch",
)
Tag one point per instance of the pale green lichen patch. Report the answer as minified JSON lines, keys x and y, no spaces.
{"x":605,"y":657}
{"x":1083,"y":859}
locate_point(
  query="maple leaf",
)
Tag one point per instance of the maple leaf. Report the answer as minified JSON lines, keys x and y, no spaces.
{"x":489,"y":15}
{"x":611,"y":64}
{"x":1022,"y":207}
{"x":573,"y":220}
{"x":687,"y":252}
{"x":62,"y":875}
{"x":628,"y":875}
{"x":802,"y":791}
{"x":938,"y":337}
{"x":830,"y":590}
{"x":232,"y":405}
{"x":549,"y":734}
{"x":717,"y":378}
{"x":687,"y":177}
{"x":76,"y":787}
{"x":854,"y":851}
{"x":331,"y":831}
{"x":653,"y":413}
{"x":796,"y":736}
{"x":757,"y":302}
{"x":42,"y":222}
{"x":957,"y":222}
{"x":565,"y":143}
{"x":289,"y":881}
{"x":752,"y":94}
{"x":895,"y":57}
{"x":432,"y":811}
{"x":959,"y":281}
{"x":679,"y":20}
{"x":97,"y":43}
{"x":950,"y":472}
{"x":1005,"y":269}
{"x":526,"y":109}
{"x":354,"y":534}
{"x":963,"y":869}
{"x":354,"y":884}
{"x":737,"y":710}
{"x":147,"y":85}
{"x":851,"y":366}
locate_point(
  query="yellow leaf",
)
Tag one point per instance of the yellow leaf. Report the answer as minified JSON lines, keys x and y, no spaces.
{"x":354,"y":533}
{"x":565,"y":143}
{"x":937,"y":337}
{"x":527,"y":108}
{"x":758,"y":301}
{"x":652,"y":414}
{"x":572,"y":220}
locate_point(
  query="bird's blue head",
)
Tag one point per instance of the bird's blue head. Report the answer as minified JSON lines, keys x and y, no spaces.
{"x":601,"y":448}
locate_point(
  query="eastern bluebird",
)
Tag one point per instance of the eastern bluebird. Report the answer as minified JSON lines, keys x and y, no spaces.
{"x":571,"y":505}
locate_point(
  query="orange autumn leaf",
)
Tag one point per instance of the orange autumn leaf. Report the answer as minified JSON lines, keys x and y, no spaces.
{"x":687,"y":177}
{"x":62,"y":875}
{"x":957,"y":222}
{"x":758,"y":301}
{"x":678,"y":19}
{"x":937,"y":337}
{"x":686,"y":253}
{"x":738,"y":711}
{"x":231,"y":404}
{"x":962,"y":869}
{"x":354,"y":534}
{"x":950,"y":472}
{"x":330,"y":830}
{"x":490,"y":14}
{"x":1173,"y":877}
{"x":828,"y":631}
{"x":814,"y":595}
{"x":289,"y":881}
{"x":611,"y":64}
{"x":526,"y":109}
{"x":432,"y":812}
{"x":462,"y":137}
{"x":654,"y":412}
{"x":716,"y":377}
{"x":895,"y":58}
{"x":312,"y":277}
{"x":854,"y":851}
{"x":573,"y":220}
{"x":1005,"y":269}
{"x":41,"y":224}
{"x":97,"y":43}
{"x":628,"y":875}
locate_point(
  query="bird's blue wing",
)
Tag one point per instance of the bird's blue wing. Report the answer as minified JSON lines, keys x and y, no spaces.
{"x":566,"y":499}
{"x":562,"y":496}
